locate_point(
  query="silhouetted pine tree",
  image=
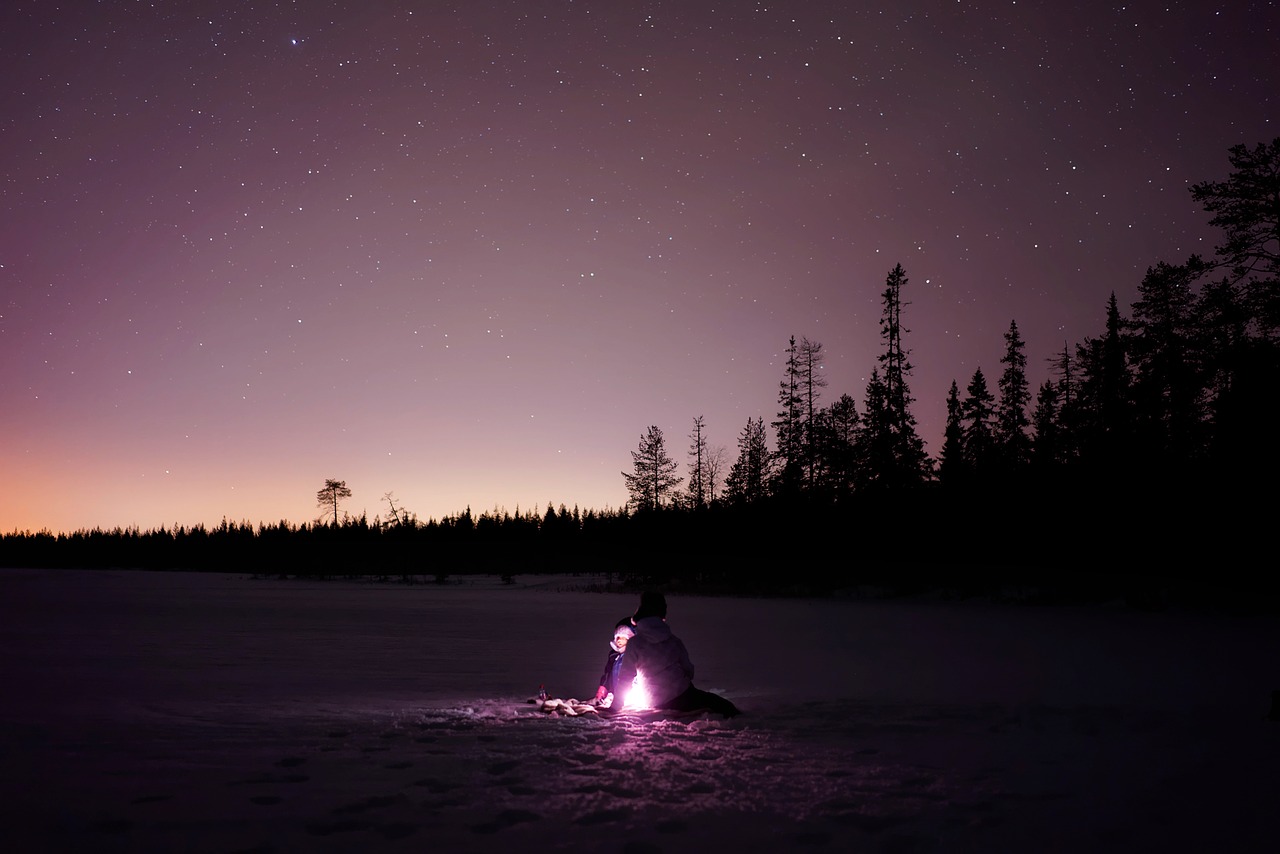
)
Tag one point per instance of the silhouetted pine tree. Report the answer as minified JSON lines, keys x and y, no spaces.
{"x":1048,"y":455}
{"x":977,"y":427}
{"x":896,"y":456}
{"x":1167,"y":390}
{"x":654,"y":478}
{"x":812,"y":381}
{"x":1102,"y":416}
{"x":749,"y":475}
{"x":1240,"y":312}
{"x":789,"y":427}
{"x":875,"y":458}
{"x":1247,"y":208}
{"x":699,"y":466}
{"x":951,"y":461}
{"x":1067,"y":410}
{"x":1013,"y":440}
{"x":329,"y":496}
{"x":837,"y":433}
{"x":1240,"y":375}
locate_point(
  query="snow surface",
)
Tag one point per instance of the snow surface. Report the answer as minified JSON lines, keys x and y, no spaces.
{"x":219,"y":713}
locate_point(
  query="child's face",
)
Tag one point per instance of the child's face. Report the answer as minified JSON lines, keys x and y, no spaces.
{"x":620,"y":642}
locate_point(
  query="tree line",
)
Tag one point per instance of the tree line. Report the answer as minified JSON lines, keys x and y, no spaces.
{"x":1177,"y":393}
{"x":1147,"y":449}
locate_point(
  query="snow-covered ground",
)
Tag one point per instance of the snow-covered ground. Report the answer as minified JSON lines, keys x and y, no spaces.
{"x":217,"y":713}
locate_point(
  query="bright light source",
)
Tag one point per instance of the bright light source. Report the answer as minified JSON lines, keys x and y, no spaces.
{"x":638,"y":696}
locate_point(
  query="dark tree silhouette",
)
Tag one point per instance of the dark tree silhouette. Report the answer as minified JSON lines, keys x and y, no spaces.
{"x":1066,"y":412}
{"x":789,"y":426}
{"x":876,"y":461}
{"x":1101,"y":416}
{"x":1013,"y":439}
{"x":812,"y":381}
{"x":1047,"y":453}
{"x":699,"y":466}
{"x":330,"y":494}
{"x":837,"y":446}
{"x":1246,"y":207}
{"x":1164,"y":354}
{"x":1240,"y":313}
{"x":951,"y":462}
{"x":749,"y":475}
{"x":977,"y":420}
{"x":1239,"y":372}
{"x":654,"y":478}
{"x":715,"y":466}
{"x":399,"y":516}
{"x":907,"y":462}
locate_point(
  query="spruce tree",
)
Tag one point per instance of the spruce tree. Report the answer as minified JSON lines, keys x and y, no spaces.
{"x":906,"y":461}
{"x":1102,"y":416}
{"x":789,"y":425}
{"x":1047,"y":453}
{"x":977,"y":419}
{"x":838,"y":446}
{"x":951,"y":462}
{"x":1012,"y":423}
{"x":1168,"y":391}
{"x":876,"y":463}
{"x":1065,"y":374}
{"x":748,"y":476}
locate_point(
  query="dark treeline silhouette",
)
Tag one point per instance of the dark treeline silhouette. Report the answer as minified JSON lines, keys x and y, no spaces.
{"x":1143,"y":464}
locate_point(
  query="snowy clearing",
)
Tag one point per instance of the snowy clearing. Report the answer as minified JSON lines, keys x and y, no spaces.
{"x":218,"y":713}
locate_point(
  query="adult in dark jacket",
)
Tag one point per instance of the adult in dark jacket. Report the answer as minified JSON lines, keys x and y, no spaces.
{"x":664,"y":665}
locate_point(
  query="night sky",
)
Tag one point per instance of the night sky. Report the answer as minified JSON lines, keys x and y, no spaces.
{"x":467,"y":253}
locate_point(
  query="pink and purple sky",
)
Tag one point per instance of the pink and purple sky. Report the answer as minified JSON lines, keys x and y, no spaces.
{"x":467,"y":254}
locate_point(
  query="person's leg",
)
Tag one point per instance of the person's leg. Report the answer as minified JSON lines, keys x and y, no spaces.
{"x":694,"y":699}
{"x":719,"y":704}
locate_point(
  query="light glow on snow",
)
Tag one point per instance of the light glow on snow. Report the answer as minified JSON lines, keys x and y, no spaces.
{"x":222,"y":696}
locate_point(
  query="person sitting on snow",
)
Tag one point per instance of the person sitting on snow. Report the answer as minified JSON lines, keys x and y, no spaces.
{"x":664,"y":665}
{"x":608,"y":689}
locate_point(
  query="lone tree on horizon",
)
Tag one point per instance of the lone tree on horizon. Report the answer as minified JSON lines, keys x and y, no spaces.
{"x":655,"y":472}
{"x":333,"y":492}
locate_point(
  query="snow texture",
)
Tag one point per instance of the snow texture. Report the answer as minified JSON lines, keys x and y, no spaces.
{"x":218,"y":713}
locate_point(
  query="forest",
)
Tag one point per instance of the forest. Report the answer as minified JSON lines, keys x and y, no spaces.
{"x":1143,"y":465}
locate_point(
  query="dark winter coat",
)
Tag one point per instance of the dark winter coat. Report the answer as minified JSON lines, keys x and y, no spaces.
{"x":609,"y":679}
{"x":661,"y":656}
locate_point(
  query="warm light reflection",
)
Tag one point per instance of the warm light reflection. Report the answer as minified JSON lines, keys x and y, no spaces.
{"x":638,"y":696}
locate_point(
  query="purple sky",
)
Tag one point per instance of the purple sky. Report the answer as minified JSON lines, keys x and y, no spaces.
{"x":467,"y":256}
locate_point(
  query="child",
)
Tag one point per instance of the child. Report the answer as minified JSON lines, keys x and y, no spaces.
{"x":622,"y":633}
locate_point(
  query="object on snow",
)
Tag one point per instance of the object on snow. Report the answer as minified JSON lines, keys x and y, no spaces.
{"x":564,"y":708}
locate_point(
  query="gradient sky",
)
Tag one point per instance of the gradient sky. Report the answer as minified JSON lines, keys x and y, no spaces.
{"x":467,"y":253}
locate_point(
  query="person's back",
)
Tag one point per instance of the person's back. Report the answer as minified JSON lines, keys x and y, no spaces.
{"x":657,"y":653}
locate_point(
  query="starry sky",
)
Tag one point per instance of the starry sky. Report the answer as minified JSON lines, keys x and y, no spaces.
{"x":467,"y":253}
